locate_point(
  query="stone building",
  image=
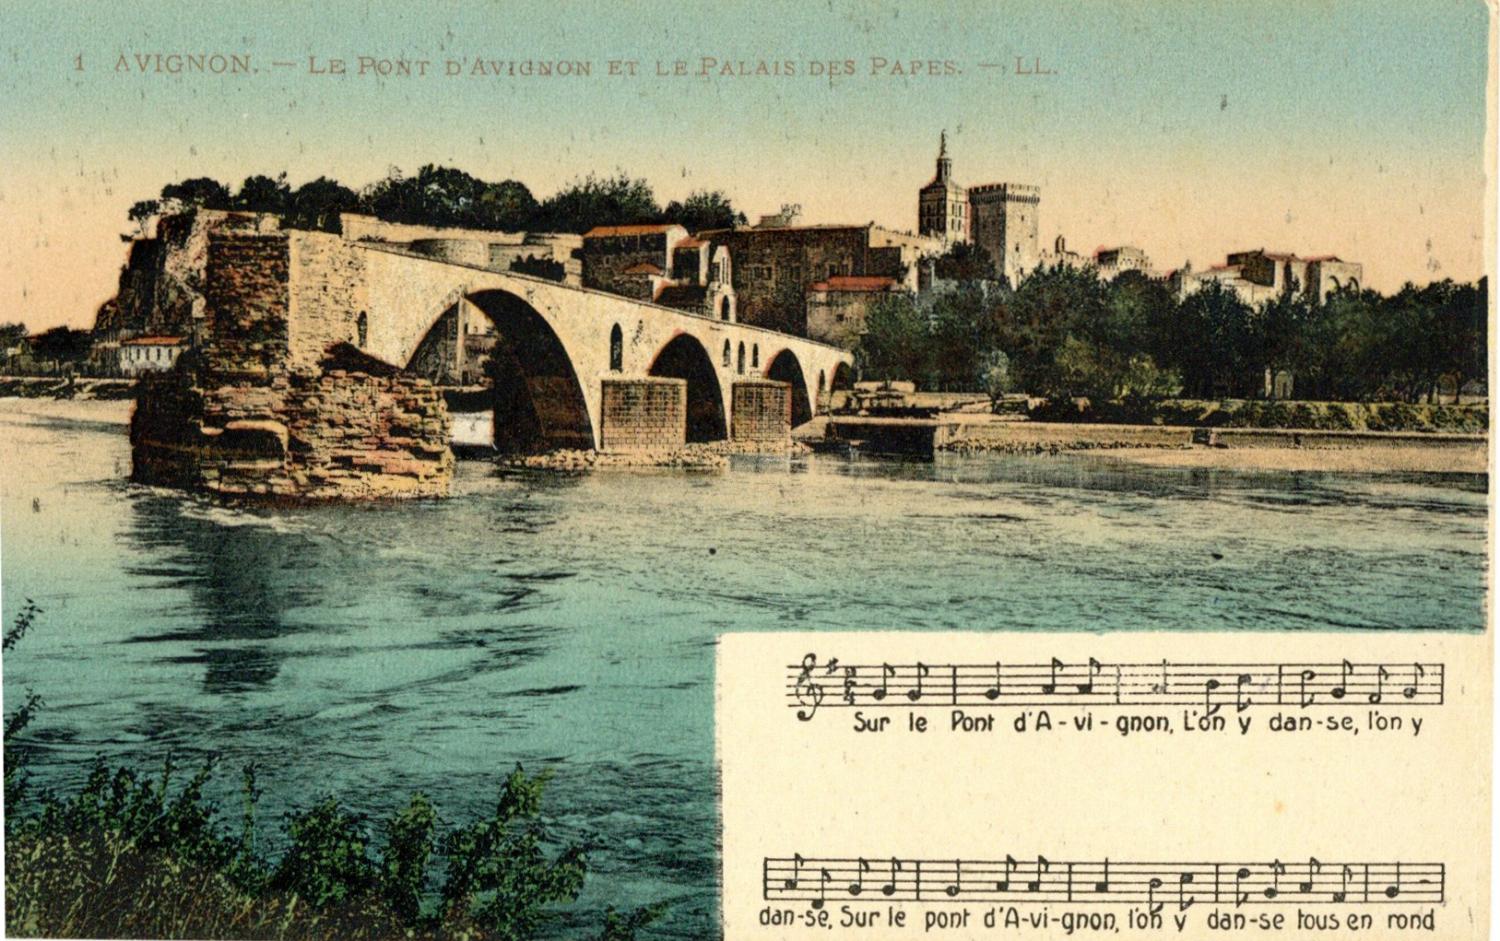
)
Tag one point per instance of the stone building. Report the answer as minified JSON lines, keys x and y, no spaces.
{"x":1113,"y":262}
{"x":770,"y":269}
{"x":139,"y":355}
{"x":630,"y":260}
{"x":1002,"y":218}
{"x":837,"y":307}
{"x":1257,"y":276}
{"x":943,"y":205}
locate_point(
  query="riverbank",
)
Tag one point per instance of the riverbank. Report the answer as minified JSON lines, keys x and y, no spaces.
{"x":58,"y":387}
{"x":1235,"y":448}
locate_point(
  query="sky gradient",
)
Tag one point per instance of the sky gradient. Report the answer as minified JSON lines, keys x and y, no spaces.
{"x":1190,"y":130}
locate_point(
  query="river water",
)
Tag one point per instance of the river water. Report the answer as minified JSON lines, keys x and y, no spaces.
{"x":569,"y":623}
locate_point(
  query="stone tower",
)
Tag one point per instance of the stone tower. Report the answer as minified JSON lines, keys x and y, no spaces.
{"x":943,"y":205}
{"x":1004,"y":223}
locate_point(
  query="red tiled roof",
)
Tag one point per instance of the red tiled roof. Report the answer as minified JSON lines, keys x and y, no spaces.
{"x":692,"y":241}
{"x":154,"y":341}
{"x":605,"y":231}
{"x":855,"y":284}
{"x":644,"y":267}
{"x":1324,"y":258}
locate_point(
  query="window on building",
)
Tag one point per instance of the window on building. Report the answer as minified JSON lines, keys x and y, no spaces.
{"x":616,"y":349}
{"x":724,"y":310}
{"x":755,"y":356}
{"x":728,"y":352}
{"x":362,"y":327}
{"x":742,"y":359}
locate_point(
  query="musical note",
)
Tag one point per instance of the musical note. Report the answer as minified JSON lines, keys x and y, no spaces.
{"x":1338,"y":691}
{"x":1209,"y":706}
{"x":858,"y":885}
{"x":1306,"y":697}
{"x":993,"y":693}
{"x":1380,"y":677}
{"x":1010,"y":868}
{"x":1050,"y":688}
{"x":1241,"y":701}
{"x":889,"y":888}
{"x":1151,"y":903}
{"x":958,"y":879}
{"x":1041,"y":866}
{"x":824,"y":877}
{"x":1240,"y":897}
{"x":1313,"y":868}
{"x":1183,"y":902}
{"x":797,"y":862}
{"x":1343,"y":893}
{"x":1103,"y":884}
{"x":916,"y":694}
{"x":806,"y":690}
{"x":1277,"y":871}
{"x":1417,"y":675}
{"x":1094,"y":668}
{"x":886,"y":672}
{"x":1394,"y":889}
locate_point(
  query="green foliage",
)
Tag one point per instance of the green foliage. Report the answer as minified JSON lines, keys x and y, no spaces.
{"x":446,"y":196}
{"x":63,"y":345}
{"x":964,"y":261}
{"x":894,"y":345}
{"x":595,"y":201}
{"x":197,"y":193}
{"x":703,"y":210}
{"x":262,"y":194}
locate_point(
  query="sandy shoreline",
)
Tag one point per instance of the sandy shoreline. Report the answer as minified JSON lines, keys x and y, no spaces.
{"x":1360,"y":460}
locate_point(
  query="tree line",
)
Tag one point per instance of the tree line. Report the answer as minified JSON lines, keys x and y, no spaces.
{"x":446,"y":196}
{"x":1065,"y":333}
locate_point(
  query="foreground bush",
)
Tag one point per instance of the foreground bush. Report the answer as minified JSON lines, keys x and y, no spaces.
{"x":129,"y":857}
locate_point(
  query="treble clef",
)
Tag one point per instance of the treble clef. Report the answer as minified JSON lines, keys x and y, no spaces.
{"x":808,"y":693}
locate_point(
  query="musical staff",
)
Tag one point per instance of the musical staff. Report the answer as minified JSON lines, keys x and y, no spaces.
{"x":1156,"y":885}
{"x":1231,"y":687}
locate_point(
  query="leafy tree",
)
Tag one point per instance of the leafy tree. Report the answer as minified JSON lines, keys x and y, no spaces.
{"x":11,"y":332}
{"x":1213,"y":331}
{"x":703,"y":210}
{"x":960,"y":331}
{"x":595,"y":201}
{"x":1032,"y":323}
{"x":197,"y":193}
{"x":63,"y":345}
{"x":316,"y":205}
{"x":141,"y":212}
{"x":894,"y":345}
{"x":263,"y":194}
{"x":964,"y":261}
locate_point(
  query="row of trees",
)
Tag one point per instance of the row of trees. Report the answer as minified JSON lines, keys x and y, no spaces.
{"x":445,"y":196}
{"x":1064,"y":332}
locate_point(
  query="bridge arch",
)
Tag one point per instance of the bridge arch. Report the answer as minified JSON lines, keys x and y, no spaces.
{"x":538,"y":399}
{"x":785,"y":367}
{"x":684,"y":357}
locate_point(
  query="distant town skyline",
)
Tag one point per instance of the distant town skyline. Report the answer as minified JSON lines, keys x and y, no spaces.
{"x":1189,"y":132}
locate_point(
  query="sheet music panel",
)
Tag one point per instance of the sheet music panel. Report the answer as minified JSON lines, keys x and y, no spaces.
{"x":1127,"y":786}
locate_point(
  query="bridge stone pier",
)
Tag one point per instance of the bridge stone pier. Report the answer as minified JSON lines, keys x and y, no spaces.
{"x":300,"y":382}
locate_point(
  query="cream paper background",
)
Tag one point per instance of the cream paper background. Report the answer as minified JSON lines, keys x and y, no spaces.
{"x":819,"y":789}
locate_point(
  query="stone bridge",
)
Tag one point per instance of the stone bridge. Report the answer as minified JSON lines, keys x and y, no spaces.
{"x":302,"y":381}
{"x":569,"y":357}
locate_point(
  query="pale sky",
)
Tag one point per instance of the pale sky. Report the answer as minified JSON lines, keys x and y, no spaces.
{"x":1189,"y":129}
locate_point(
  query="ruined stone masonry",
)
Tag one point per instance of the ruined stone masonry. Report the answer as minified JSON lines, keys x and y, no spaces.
{"x":242,"y":416}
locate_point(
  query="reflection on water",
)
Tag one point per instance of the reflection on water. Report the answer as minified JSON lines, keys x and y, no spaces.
{"x":569,"y":622}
